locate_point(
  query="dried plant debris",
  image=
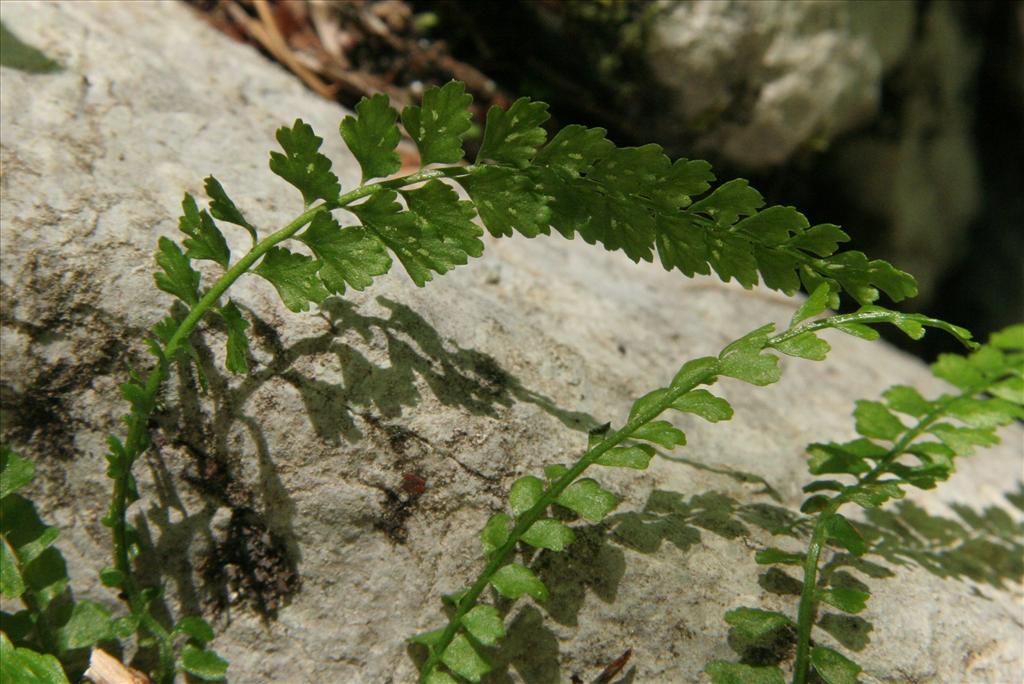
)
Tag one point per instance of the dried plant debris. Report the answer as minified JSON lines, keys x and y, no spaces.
{"x":348,"y":49}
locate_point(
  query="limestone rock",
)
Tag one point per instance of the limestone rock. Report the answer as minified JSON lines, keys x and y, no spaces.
{"x":755,"y":83}
{"x":924,"y":181}
{"x":292,"y":493}
{"x":763,"y":79}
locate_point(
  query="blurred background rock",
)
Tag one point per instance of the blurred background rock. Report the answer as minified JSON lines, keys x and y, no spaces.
{"x":902,"y":121}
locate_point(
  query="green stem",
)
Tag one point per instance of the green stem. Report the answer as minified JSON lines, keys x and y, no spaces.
{"x":807,"y":610}
{"x":551,"y":494}
{"x":867,"y":317}
{"x":137,"y":441}
{"x":808,"y":601}
{"x":554,"y":490}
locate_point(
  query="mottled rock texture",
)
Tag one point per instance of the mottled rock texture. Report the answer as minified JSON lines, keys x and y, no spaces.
{"x":762,"y":83}
{"x":285,"y":505}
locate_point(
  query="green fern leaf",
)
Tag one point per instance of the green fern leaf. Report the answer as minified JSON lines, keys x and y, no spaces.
{"x":238,"y":342}
{"x":204,"y":240}
{"x":754,"y":625}
{"x":352,"y":255}
{"x":25,"y":665}
{"x":588,"y":499}
{"x":805,"y":346}
{"x":638,"y":457}
{"x":722,"y":672}
{"x":834,"y":667}
{"x":907,"y":400}
{"x":439,"y":124}
{"x":514,"y":580}
{"x":438,"y":677}
{"x":464,"y":660}
{"x":372,"y":137}
{"x":842,"y":530}
{"x":744,"y":360}
{"x":195,"y":628}
{"x":484,"y":624}
{"x":815,"y":304}
{"x":495,"y":533}
{"x":662,"y":433}
{"x":985,"y":413}
{"x":874,"y":495}
{"x":730,"y":201}
{"x":443,"y":217}
{"x":704,"y":404}
{"x":434,"y":238}
{"x":845,"y":599}
{"x":849,"y":458}
{"x":508,"y":201}
{"x":524,"y":493}
{"x":962,"y":440}
{"x":773,"y":556}
{"x":15,"y":471}
{"x":204,"y":664}
{"x":875,"y":420}
{"x":302,"y":165}
{"x":821,"y":240}
{"x":574,"y":149}
{"x":89,"y":622}
{"x":512,"y":136}
{"x":223,"y":208}
{"x":550,"y":534}
{"x":178,"y":278}
{"x":294,"y":276}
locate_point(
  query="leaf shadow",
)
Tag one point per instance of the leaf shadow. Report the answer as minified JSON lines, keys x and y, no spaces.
{"x":253,"y":558}
{"x":16,"y":54}
{"x":530,"y":648}
{"x":669,"y":517}
{"x":589,"y":564}
{"x":984,"y":546}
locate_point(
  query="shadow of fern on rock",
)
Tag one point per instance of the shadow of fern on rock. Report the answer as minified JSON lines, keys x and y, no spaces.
{"x":590,"y":566}
{"x":416,"y":355}
{"x":984,"y":546}
{"x":369,"y":394}
{"x":669,"y":516}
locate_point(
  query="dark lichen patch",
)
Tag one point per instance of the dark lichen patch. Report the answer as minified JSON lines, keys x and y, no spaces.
{"x":250,"y":567}
{"x":54,"y":305}
{"x":211,"y":475}
{"x":398,"y":437}
{"x":40,"y":414}
{"x":397,"y":507}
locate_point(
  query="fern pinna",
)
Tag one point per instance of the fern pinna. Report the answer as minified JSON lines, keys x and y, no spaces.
{"x":632,"y":199}
{"x":531,"y":498}
{"x":906,"y":441}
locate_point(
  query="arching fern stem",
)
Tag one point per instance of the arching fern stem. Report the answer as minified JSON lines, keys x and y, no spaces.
{"x":137,"y":440}
{"x":809,"y":597}
{"x":695,"y":373}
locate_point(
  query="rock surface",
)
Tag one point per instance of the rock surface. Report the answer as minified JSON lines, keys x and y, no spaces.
{"x":759,"y":83}
{"x":307,"y":470}
{"x":767,"y":77}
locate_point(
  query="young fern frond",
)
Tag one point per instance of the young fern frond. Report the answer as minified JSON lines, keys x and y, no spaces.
{"x":906,"y":441}
{"x":530,"y":497}
{"x":630,"y":199}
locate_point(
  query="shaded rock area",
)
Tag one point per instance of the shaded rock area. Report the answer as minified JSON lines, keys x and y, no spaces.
{"x":316,"y":509}
{"x":760,"y":80}
{"x":894,"y":119}
{"x":760,"y":84}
